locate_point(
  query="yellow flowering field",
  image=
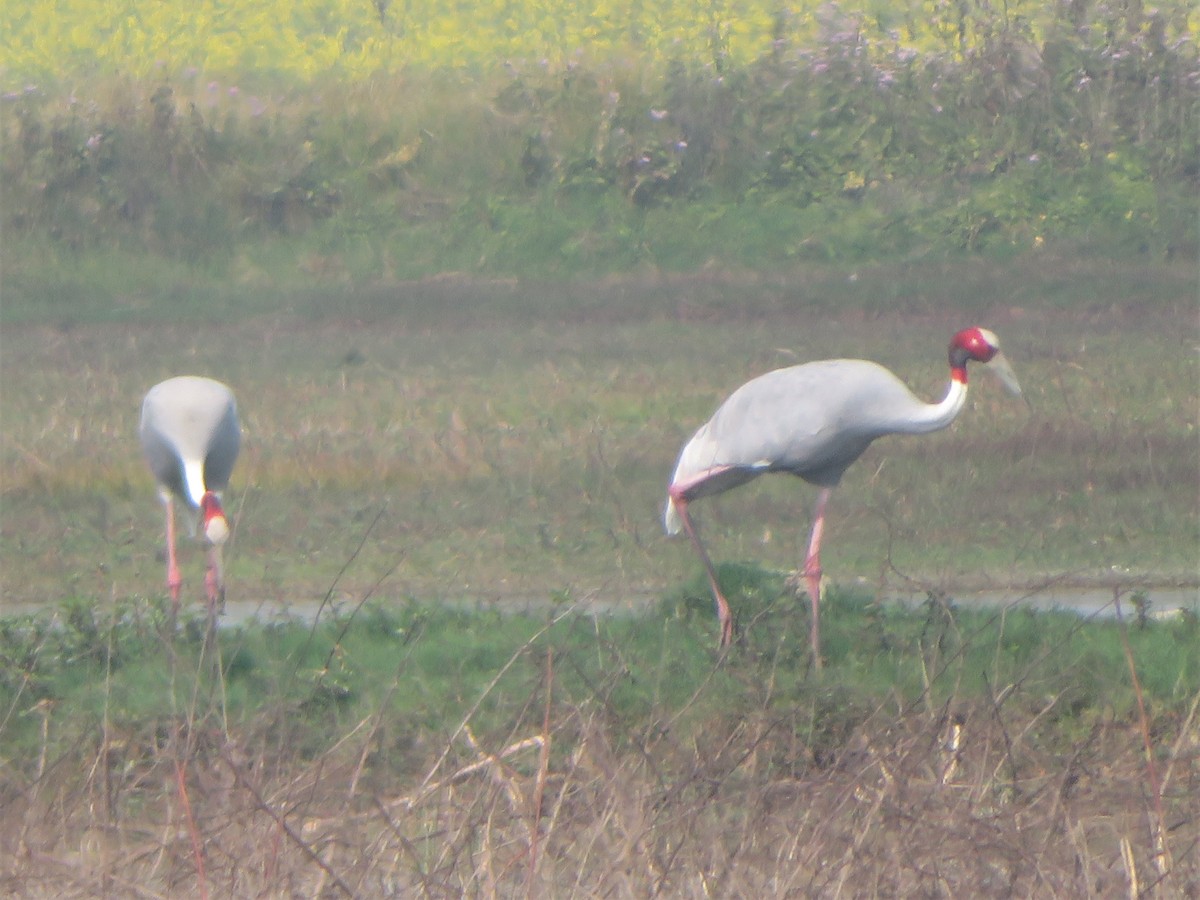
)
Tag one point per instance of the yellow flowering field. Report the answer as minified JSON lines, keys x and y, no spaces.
{"x":307,"y":38}
{"x":303,"y":39}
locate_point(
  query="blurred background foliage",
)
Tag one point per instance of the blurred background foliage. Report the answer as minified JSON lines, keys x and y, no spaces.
{"x":376,"y":139}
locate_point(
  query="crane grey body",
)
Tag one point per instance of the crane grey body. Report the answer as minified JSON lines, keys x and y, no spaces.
{"x":190,"y":437}
{"x":813,"y":421}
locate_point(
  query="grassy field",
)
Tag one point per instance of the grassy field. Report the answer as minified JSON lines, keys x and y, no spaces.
{"x":515,"y":439}
{"x":475,"y":275}
{"x":432,"y":457}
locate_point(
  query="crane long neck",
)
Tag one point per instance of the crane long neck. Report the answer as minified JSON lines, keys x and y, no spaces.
{"x":935,"y":416}
{"x":193,"y":480}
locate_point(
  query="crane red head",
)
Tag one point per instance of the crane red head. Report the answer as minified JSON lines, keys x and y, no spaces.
{"x":982,"y":346}
{"x":213,"y":523}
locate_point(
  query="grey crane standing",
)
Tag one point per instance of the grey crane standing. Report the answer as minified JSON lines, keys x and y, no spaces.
{"x":190,"y":436}
{"x":813,"y":420}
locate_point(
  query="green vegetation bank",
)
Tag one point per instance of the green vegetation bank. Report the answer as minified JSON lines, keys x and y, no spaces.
{"x":350,"y":140}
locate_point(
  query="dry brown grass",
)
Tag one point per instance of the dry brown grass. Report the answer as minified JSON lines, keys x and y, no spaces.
{"x":953,"y":801}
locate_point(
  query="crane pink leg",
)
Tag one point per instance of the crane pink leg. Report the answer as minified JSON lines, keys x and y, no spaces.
{"x":812,"y":574}
{"x":174,"y":579}
{"x":724,"y":617}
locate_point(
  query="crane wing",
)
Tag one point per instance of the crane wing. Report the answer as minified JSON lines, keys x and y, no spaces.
{"x":811,"y":420}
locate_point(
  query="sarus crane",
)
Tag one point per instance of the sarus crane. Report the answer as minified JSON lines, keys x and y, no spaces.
{"x":813,"y":420}
{"x":190,"y":436}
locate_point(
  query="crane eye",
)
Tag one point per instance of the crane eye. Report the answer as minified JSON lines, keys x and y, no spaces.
{"x":981,"y":344}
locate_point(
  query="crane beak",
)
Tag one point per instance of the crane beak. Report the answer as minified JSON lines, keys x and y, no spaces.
{"x":999,"y":366}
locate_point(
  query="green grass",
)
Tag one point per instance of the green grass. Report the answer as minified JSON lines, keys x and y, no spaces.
{"x":504,"y":444}
{"x":518,"y":435}
{"x":423,"y":667}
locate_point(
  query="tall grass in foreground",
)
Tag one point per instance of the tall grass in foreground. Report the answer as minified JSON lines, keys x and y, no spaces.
{"x":431,"y":752}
